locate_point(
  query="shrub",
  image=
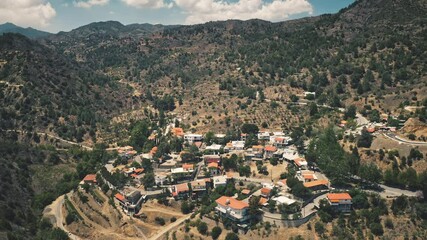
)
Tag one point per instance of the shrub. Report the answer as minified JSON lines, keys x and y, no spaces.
{"x":160,"y":221}
{"x":173,"y":219}
{"x":231,"y":236}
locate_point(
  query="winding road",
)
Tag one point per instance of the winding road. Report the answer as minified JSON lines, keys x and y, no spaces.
{"x":400,"y":140}
{"x":55,"y":210}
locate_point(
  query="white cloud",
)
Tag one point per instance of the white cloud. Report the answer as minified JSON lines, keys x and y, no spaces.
{"x":200,"y":11}
{"x":33,"y":13}
{"x":90,"y":3}
{"x":148,"y":3}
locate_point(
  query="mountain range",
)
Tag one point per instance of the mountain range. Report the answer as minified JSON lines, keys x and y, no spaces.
{"x":28,"y":32}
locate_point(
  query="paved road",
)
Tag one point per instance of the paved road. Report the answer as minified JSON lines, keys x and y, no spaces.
{"x":170,"y":227}
{"x":395,"y":192}
{"x":400,"y":140}
{"x":55,"y":210}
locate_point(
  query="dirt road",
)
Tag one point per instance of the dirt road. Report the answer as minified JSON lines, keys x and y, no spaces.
{"x":170,"y":227}
{"x":55,"y":210}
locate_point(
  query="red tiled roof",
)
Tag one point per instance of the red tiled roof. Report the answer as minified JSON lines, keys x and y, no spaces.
{"x":246,"y":191}
{"x":178,"y":131}
{"x":231,"y":202}
{"x":270,"y":148}
{"x":90,"y":178}
{"x":119,"y":197}
{"x":262,"y":200}
{"x":213,"y":165}
{"x":316,"y":183}
{"x":186,"y":166}
{"x":336,"y":197}
{"x":265,"y":191}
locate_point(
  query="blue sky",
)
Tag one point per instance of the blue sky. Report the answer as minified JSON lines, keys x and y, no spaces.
{"x":65,"y":15}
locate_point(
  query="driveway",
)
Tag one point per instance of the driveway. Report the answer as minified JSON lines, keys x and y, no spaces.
{"x":170,"y":227}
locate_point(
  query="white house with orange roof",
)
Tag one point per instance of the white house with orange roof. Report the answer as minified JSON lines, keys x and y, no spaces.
{"x":233,"y":209}
{"x":269,"y":151}
{"x":340,"y":201}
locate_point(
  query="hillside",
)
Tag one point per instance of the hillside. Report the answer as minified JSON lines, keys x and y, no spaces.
{"x":371,"y":52}
{"x":45,"y":91}
{"x":28,"y":32}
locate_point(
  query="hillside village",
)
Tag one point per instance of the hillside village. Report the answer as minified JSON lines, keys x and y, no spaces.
{"x":260,"y":176}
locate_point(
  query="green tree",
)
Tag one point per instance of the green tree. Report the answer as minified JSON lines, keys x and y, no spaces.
{"x":350,"y":113}
{"x":313,"y":109}
{"x":249,"y":128}
{"x":202,"y":227}
{"x":216,"y":232}
{"x":370,"y":172}
{"x":148,"y":180}
{"x":365,"y":139}
{"x":231,"y":236}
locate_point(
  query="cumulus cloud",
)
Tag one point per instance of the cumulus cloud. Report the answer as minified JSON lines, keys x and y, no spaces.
{"x":200,"y":11}
{"x":33,"y":13}
{"x":90,"y":3}
{"x":148,"y":3}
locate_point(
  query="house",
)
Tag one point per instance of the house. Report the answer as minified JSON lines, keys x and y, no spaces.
{"x":211,"y":158}
{"x":183,"y":172}
{"x":290,"y":154}
{"x":340,"y":201}
{"x":283,"y":184}
{"x":263,"y":135}
{"x":160,"y":178}
{"x":199,"y":187}
{"x":306,"y":176}
{"x":219,"y":181}
{"x":269,"y":151}
{"x":301,"y":163}
{"x":188,"y":167}
{"x":284,"y":200}
{"x":214,"y":169}
{"x":238,"y":145}
{"x":178,"y":132}
{"x":180,"y":191}
{"x":317,"y":185}
{"x":309,"y":93}
{"x":214,"y":149}
{"x":281,"y":142}
{"x":258,"y":151}
{"x":130,"y":203}
{"x":233,"y":209}
{"x":263,"y":201}
{"x":90,"y":179}
{"x":191,"y":138}
{"x":246,"y":191}
{"x":265,"y":192}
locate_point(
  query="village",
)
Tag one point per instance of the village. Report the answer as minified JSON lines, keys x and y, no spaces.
{"x":271,"y":176}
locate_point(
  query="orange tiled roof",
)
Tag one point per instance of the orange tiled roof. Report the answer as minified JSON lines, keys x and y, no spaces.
{"x":316,"y":183}
{"x":134,"y":175}
{"x":257,"y":147}
{"x":279,"y":139}
{"x":263,"y":200}
{"x":178,"y":131}
{"x":308,"y":176}
{"x":213,"y":165}
{"x":336,"y":197}
{"x":183,"y":187}
{"x":139,"y":170}
{"x":265,"y":191}
{"x":119,"y":197}
{"x":270,"y":148}
{"x":231,"y":202}
{"x":246,"y":191}
{"x":186,"y":166}
{"x":90,"y":178}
